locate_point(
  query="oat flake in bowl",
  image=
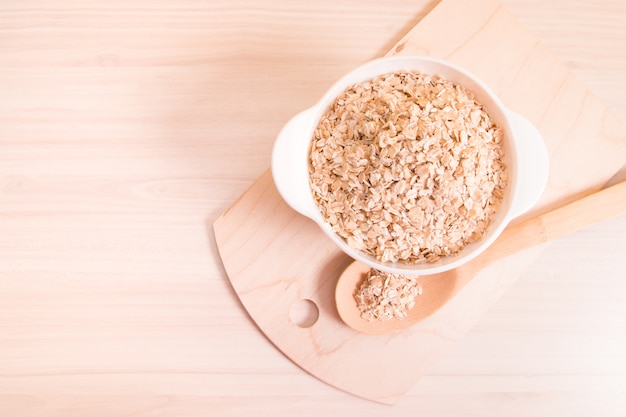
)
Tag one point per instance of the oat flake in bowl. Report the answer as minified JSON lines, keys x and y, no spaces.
{"x":383,"y":165}
{"x":407,"y":167}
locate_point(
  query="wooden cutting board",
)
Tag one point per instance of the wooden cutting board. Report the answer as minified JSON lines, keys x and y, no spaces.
{"x":276,"y":259}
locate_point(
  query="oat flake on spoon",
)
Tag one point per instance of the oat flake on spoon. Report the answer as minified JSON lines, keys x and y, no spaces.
{"x":385,"y":296}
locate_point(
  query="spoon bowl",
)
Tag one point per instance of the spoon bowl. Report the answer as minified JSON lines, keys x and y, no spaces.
{"x":437,"y":290}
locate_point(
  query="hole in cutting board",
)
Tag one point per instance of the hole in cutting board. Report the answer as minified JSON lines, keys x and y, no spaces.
{"x":304,"y":313}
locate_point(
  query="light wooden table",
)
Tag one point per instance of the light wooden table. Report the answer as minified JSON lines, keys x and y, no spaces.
{"x":128,"y":127}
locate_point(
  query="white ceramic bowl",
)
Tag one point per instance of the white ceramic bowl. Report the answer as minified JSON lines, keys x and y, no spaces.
{"x":526,"y":159}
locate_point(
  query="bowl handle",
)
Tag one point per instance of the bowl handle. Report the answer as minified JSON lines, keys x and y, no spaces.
{"x":290,"y":164}
{"x":534,"y":164}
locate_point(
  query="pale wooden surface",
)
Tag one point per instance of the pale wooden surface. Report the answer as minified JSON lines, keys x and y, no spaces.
{"x":126,"y":128}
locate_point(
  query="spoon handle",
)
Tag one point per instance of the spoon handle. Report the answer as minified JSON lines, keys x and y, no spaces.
{"x":594,"y":208}
{"x":587,"y":211}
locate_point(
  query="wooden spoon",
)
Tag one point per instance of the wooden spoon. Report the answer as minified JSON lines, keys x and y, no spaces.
{"x":439,"y":288}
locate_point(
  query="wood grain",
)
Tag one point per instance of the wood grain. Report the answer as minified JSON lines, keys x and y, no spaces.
{"x":128,"y":127}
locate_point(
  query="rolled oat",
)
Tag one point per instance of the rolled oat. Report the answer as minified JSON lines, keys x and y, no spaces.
{"x":384,"y":296}
{"x":407,"y":167}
